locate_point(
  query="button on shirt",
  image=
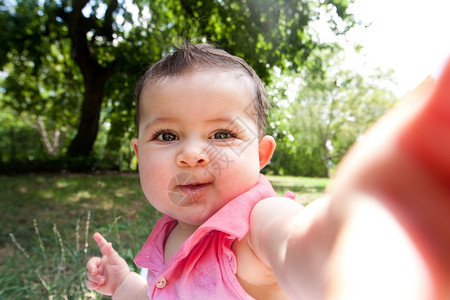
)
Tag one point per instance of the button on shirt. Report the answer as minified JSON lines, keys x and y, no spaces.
{"x":161,"y":283}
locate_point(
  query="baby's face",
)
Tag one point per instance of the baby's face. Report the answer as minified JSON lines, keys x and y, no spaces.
{"x":198,"y":144}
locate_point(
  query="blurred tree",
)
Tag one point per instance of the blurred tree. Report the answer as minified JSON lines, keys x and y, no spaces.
{"x":19,"y":143}
{"x":64,"y":58}
{"x":40,"y":81}
{"x":329,"y":112}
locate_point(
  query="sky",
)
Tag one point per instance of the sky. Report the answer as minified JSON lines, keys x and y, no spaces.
{"x":409,"y":36}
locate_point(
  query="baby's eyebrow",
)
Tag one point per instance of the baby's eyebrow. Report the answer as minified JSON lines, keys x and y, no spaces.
{"x":226,"y":122}
{"x":220,"y":120}
{"x":160,"y":120}
{"x":163,"y":119}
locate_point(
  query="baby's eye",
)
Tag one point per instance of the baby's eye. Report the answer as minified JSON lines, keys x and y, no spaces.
{"x":223,"y":135}
{"x":165,"y":136}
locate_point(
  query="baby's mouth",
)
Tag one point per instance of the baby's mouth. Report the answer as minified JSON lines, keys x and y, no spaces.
{"x":193,"y":188}
{"x":185,"y":189}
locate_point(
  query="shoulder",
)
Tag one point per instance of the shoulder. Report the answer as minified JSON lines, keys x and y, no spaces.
{"x":253,"y":269}
{"x":269,"y":216}
{"x":273,"y":206}
{"x":256,"y":278}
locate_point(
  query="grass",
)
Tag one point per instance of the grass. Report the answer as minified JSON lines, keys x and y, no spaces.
{"x":46,"y":224}
{"x":307,"y":189}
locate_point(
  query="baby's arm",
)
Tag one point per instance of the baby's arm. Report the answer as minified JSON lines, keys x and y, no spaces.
{"x":110,"y":274}
{"x":318,"y":254}
{"x":296,"y":242}
{"x":383,"y":232}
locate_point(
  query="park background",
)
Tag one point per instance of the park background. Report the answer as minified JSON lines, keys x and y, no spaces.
{"x":68,"y":69}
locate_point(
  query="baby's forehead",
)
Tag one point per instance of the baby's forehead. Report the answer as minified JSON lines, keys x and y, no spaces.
{"x":234,"y":81}
{"x":210,"y":78}
{"x":234,"y":77}
{"x":232,"y":74}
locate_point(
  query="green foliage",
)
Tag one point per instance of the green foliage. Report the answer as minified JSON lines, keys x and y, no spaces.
{"x":22,"y":150}
{"x":42,"y":81}
{"x":328,"y":113}
{"x":73,"y":64}
{"x":18,"y":142}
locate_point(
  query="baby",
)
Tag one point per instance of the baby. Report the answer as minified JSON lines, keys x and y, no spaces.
{"x":225,"y":234}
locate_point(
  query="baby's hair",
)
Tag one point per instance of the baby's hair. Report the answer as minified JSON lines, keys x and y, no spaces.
{"x":191,"y":57}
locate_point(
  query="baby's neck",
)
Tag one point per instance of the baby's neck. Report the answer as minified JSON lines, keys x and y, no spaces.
{"x":180,"y":233}
{"x":186,"y":228}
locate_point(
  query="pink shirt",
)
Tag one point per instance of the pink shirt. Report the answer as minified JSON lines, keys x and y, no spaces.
{"x":205,"y":266}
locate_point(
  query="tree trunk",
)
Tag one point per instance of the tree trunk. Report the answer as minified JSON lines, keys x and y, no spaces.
{"x":83,"y":142}
{"x":94,"y":75}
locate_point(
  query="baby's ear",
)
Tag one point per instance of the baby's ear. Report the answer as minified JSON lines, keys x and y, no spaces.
{"x":134,"y":143}
{"x":266,"y":148}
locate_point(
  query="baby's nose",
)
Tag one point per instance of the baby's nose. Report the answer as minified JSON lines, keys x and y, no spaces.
{"x":192,"y":157}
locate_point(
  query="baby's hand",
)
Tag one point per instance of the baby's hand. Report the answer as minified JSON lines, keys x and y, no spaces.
{"x":105,"y":274}
{"x":404,"y":162}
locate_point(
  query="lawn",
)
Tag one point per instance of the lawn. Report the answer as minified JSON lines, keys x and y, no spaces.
{"x":47,"y":221}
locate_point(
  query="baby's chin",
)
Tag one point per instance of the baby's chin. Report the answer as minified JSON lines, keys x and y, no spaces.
{"x":196,"y":218}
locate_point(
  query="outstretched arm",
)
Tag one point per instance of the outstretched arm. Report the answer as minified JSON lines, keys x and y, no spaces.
{"x":110,"y":274}
{"x":383,"y":231}
{"x":405,"y":163}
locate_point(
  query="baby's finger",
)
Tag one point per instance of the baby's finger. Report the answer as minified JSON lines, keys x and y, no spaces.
{"x":91,"y":285}
{"x":96,"y":279}
{"x":112,"y":256}
{"x":93,"y":265}
{"x":103,"y":262}
{"x":101,"y":241}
